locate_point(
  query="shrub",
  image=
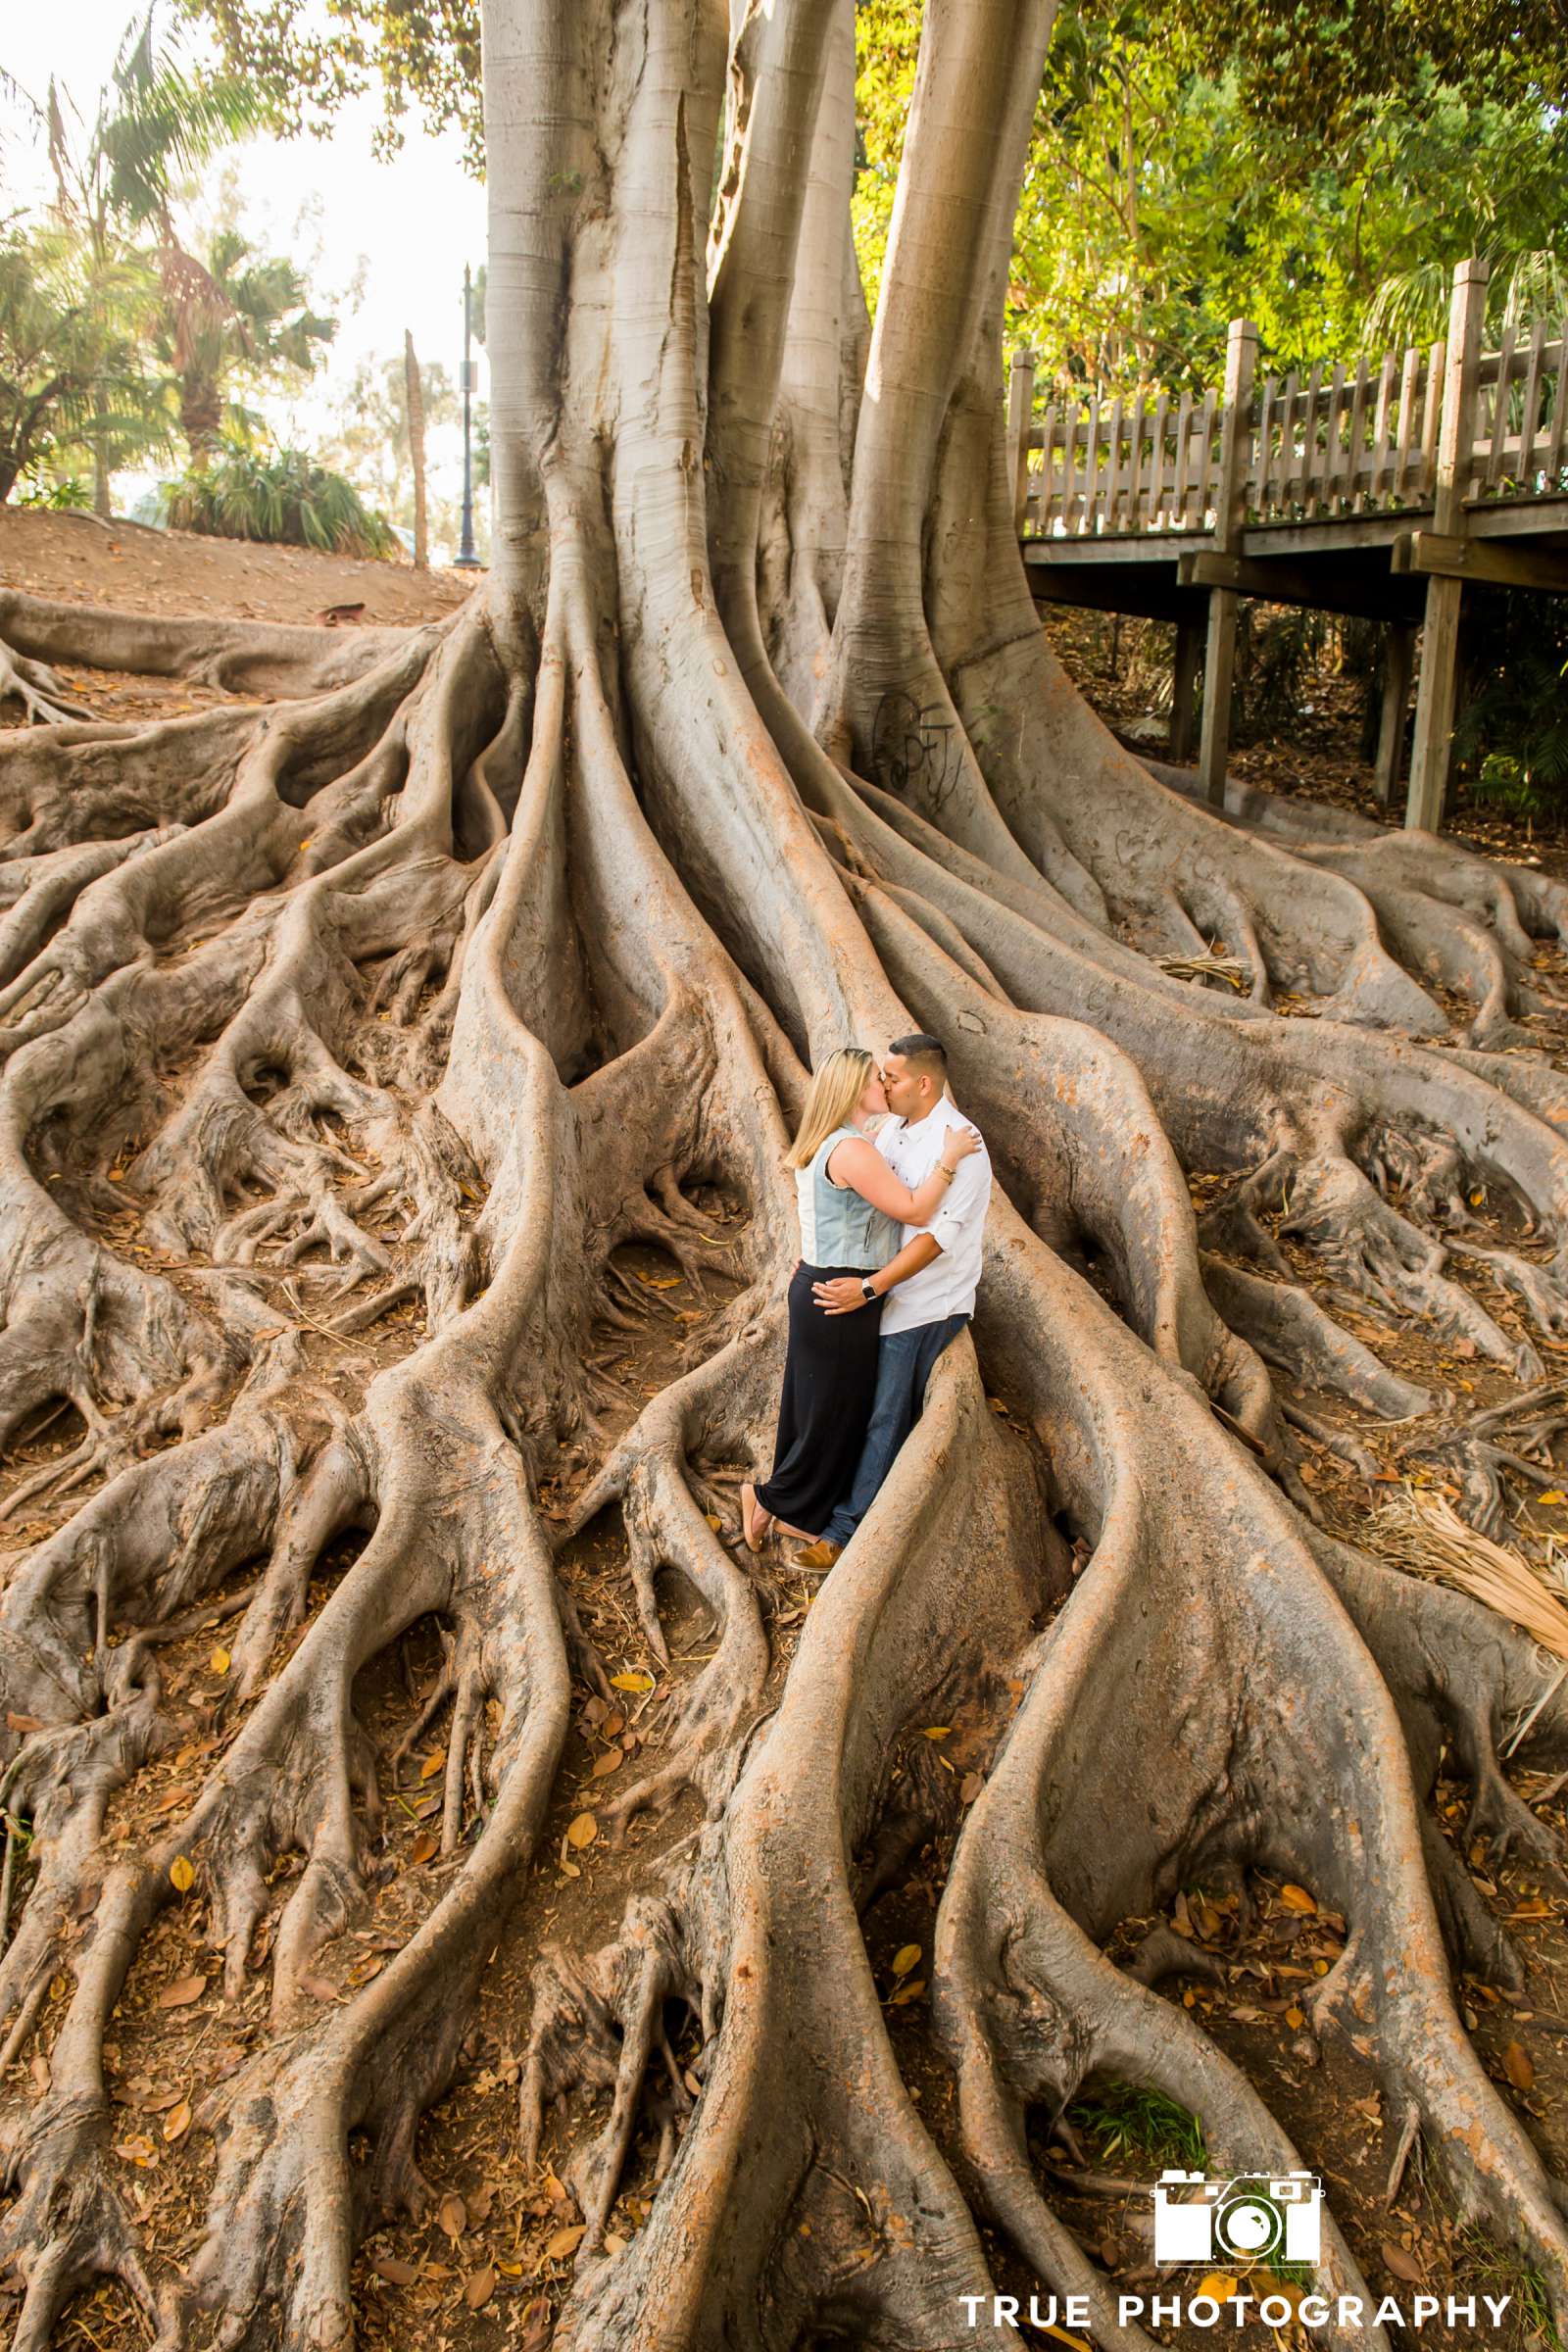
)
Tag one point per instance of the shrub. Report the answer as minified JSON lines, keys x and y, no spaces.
{"x":283,"y":496}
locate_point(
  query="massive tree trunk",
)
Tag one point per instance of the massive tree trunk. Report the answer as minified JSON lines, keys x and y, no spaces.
{"x":395,"y":1010}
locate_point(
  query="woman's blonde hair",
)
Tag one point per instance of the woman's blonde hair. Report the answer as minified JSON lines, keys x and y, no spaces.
{"x":830,"y":1099}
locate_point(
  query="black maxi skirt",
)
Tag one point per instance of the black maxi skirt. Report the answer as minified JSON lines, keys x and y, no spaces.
{"x":825,"y":1410}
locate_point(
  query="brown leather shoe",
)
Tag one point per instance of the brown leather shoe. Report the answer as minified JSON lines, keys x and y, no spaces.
{"x":818,"y":1557}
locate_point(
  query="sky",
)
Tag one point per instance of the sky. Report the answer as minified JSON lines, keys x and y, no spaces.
{"x":383,"y":244}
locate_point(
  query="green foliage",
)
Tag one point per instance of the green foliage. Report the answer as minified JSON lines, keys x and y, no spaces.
{"x":1512,"y":731}
{"x":285,"y":498}
{"x":131,"y":337}
{"x":60,"y":494}
{"x":887,"y":38}
{"x":1171,"y":187}
{"x":155,"y":128}
{"x":1485,"y":2263}
{"x":424,"y":53}
{"x":69,"y":366}
{"x":1311,"y":70}
{"x":1127,"y":2120}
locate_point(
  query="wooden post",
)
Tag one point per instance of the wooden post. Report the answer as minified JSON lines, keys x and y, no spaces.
{"x":1230,"y":514}
{"x":1183,"y":690}
{"x":1020,"y":417}
{"x":1440,"y":637}
{"x":1398,"y":663}
{"x":414,"y":393}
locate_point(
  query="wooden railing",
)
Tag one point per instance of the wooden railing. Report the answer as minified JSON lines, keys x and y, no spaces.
{"x":1444,"y":432}
{"x":1348,"y":440}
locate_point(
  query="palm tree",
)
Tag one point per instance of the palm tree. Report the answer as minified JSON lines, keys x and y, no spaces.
{"x":238,"y":316}
{"x":154,"y":128}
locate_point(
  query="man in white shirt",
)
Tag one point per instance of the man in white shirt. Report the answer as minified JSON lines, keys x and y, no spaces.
{"x":930,"y":1296}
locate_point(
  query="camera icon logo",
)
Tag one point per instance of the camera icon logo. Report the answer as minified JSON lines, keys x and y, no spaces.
{"x":1253,"y":2217}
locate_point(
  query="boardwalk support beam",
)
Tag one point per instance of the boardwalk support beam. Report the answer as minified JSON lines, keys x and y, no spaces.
{"x":1279,"y":581}
{"x":1493,"y":561}
{"x":1398,"y":665}
{"x":1230,"y":517}
{"x":1439,"y":641}
{"x":1184,"y":689}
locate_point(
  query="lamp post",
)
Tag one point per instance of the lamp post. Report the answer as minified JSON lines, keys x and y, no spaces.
{"x":465,"y":560}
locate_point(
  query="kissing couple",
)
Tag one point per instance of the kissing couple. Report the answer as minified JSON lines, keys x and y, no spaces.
{"x":892,"y":1224}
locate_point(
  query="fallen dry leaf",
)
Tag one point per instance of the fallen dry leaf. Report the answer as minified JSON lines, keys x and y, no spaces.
{"x":1402,"y":2265}
{"x":181,"y":1875}
{"x":1517,"y":2066}
{"x":183,"y":1990}
{"x":452,"y":2215}
{"x":583,"y":1831}
{"x":631,"y":1682}
{"x":1296,"y":1898}
{"x":424,"y":1845}
{"x":565,"y":2242}
{"x":177,"y":2121}
{"x":904,"y":1959}
{"x":479,"y":2287}
{"x":394,"y":2272}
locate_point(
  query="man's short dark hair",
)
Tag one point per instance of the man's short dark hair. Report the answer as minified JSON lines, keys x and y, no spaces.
{"x":924,"y":1053}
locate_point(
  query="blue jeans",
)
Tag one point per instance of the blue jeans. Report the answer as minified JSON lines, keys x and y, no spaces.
{"x":904,"y":1362}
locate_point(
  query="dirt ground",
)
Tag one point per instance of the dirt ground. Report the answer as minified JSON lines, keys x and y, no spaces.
{"x":1124,"y":672}
{"x":488,"y":2264}
{"x":79,"y":558}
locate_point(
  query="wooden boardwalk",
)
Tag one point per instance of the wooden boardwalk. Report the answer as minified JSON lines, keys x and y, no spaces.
{"x":1379,"y":488}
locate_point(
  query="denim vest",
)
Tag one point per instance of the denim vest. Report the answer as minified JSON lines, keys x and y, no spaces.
{"x":837,"y":1226}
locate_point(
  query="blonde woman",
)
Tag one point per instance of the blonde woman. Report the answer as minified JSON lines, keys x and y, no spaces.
{"x":852,"y":1210}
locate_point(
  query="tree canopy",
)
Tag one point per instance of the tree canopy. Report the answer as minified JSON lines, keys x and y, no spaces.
{"x":1170,"y":187}
{"x":1318,"y":168}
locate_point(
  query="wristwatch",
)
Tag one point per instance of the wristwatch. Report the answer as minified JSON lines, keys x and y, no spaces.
{"x":868,"y":1291}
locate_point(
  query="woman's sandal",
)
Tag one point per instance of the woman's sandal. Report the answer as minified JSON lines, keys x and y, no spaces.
{"x":754,"y":1537}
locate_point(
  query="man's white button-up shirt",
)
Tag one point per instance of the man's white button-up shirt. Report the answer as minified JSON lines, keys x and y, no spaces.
{"x":946,"y":1287}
